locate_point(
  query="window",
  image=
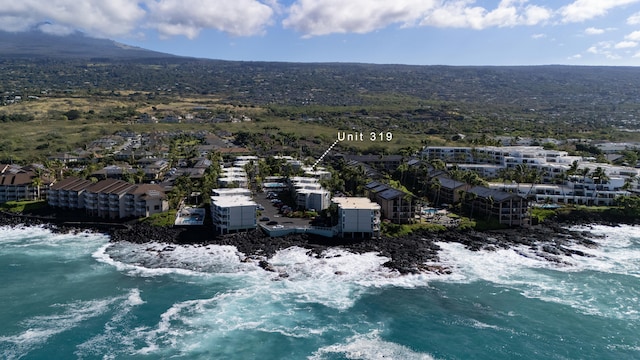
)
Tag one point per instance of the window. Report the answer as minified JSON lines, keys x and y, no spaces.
{"x":156,"y":207}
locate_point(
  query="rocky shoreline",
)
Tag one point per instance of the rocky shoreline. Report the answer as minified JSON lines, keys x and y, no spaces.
{"x":408,"y":254}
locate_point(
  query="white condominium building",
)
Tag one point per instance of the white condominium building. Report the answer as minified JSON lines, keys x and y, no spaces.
{"x":357,"y":217}
{"x":233,"y":213}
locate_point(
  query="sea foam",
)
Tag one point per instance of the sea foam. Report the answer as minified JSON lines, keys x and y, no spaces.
{"x":368,"y":346}
{"x":574,"y":281}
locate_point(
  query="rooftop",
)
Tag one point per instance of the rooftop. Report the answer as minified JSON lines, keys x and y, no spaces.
{"x":232,"y":201}
{"x":355,"y":203}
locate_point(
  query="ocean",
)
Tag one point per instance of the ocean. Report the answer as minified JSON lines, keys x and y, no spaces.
{"x":77,"y":296}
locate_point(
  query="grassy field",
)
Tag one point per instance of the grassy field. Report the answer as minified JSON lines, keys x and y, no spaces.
{"x":51,"y":132}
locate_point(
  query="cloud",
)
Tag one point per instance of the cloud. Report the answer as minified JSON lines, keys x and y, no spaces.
{"x":594,"y":31}
{"x":634,"y":19}
{"x":322,"y":17}
{"x":509,"y":13}
{"x":634,"y":36}
{"x":189,"y":17}
{"x":114,"y":17}
{"x":581,"y":10}
{"x":126,"y":17}
{"x":538,"y":36}
{"x":625,"y":44}
{"x":55,"y":29}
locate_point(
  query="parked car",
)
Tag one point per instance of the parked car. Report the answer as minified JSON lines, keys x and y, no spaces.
{"x":264,"y":218}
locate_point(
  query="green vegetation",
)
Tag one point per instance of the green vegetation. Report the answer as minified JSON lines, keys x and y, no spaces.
{"x":539,"y":215}
{"x":162,"y":219}
{"x":22,"y":206}
{"x":399,"y":230}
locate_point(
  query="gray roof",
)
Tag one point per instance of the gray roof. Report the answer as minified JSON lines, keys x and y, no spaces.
{"x":391,"y":194}
{"x":497,"y":195}
{"x":449,"y":183}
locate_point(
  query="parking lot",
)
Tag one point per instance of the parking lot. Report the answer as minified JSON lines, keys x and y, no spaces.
{"x":272,"y":213}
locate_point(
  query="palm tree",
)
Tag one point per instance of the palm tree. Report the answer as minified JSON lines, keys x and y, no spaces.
{"x":471,"y":197}
{"x":438,"y":164}
{"x":436,"y":186}
{"x":37,"y":183}
{"x":573,"y":169}
{"x":628,"y":182}
{"x":520,"y":175}
{"x":599,"y":176}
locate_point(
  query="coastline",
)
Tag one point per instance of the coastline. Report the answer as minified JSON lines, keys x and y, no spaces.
{"x":408,"y":254}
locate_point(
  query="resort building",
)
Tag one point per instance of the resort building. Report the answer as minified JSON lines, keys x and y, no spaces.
{"x":510,"y":209}
{"x":147,"y":199}
{"x":105,"y":198}
{"x":233,"y":213}
{"x":445,"y":190}
{"x":309,"y":194}
{"x":21,"y":184}
{"x":233,"y":177}
{"x":230,"y":192}
{"x":313,"y":199}
{"x":358,"y":217}
{"x":110,"y":198}
{"x":68,"y":193}
{"x":573,"y":175}
{"x":396,"y":205}
{"x":318,"y":173}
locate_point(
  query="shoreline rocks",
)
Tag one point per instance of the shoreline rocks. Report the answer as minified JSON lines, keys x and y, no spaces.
{"x":407,"y":254}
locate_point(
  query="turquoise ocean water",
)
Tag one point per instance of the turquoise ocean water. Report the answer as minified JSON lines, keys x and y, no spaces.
{"x":65,"y":296}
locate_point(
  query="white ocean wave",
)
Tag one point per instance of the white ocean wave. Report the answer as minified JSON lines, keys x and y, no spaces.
{"x":39,"y":329}
{"x":157,"y":259}
{"x":115,"y":339}
{"x":574,"y":281}
{"x":370,"y":347}
{"x":38,"y":241}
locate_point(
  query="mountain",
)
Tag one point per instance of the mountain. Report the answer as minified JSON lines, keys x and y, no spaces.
{"x":36,"y":44}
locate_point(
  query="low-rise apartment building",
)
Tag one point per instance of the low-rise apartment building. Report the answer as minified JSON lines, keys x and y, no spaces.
{"x":396,"y":205}
{"x":231,"y":213}
{"x":110,"y":198}
{"x":509,"y":208}
{"x":18,"y":184}
{"x":552,"y":166}
{"x":309,"y":194}
{"x":68,"y":193}
{"x":358,"y":217}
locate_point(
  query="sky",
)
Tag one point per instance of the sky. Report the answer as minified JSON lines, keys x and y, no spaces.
{"x":421,"y":32}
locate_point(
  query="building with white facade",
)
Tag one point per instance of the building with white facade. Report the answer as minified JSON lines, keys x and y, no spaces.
{"x":318,"y":173}
{"x":230,"y":192}
{"x":233,"y":177}
{"x":309,"y":194}
{"x":357,"y":217}
{"x":315,"y":200}
{"x":553,"y":166}
{"x":232,"y":213}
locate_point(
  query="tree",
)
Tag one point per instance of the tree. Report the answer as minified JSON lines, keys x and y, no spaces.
{"x":73,"y":114}
{"x":37,"y":183}
{"x":628,"y":182}
{"x":599,"y":177}
{"x":436,"y":186}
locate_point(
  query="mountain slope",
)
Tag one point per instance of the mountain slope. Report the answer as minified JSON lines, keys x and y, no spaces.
{"x":36,"y":44}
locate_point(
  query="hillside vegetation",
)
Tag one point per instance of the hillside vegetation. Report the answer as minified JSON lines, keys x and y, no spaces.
{"x":56,"y":103}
